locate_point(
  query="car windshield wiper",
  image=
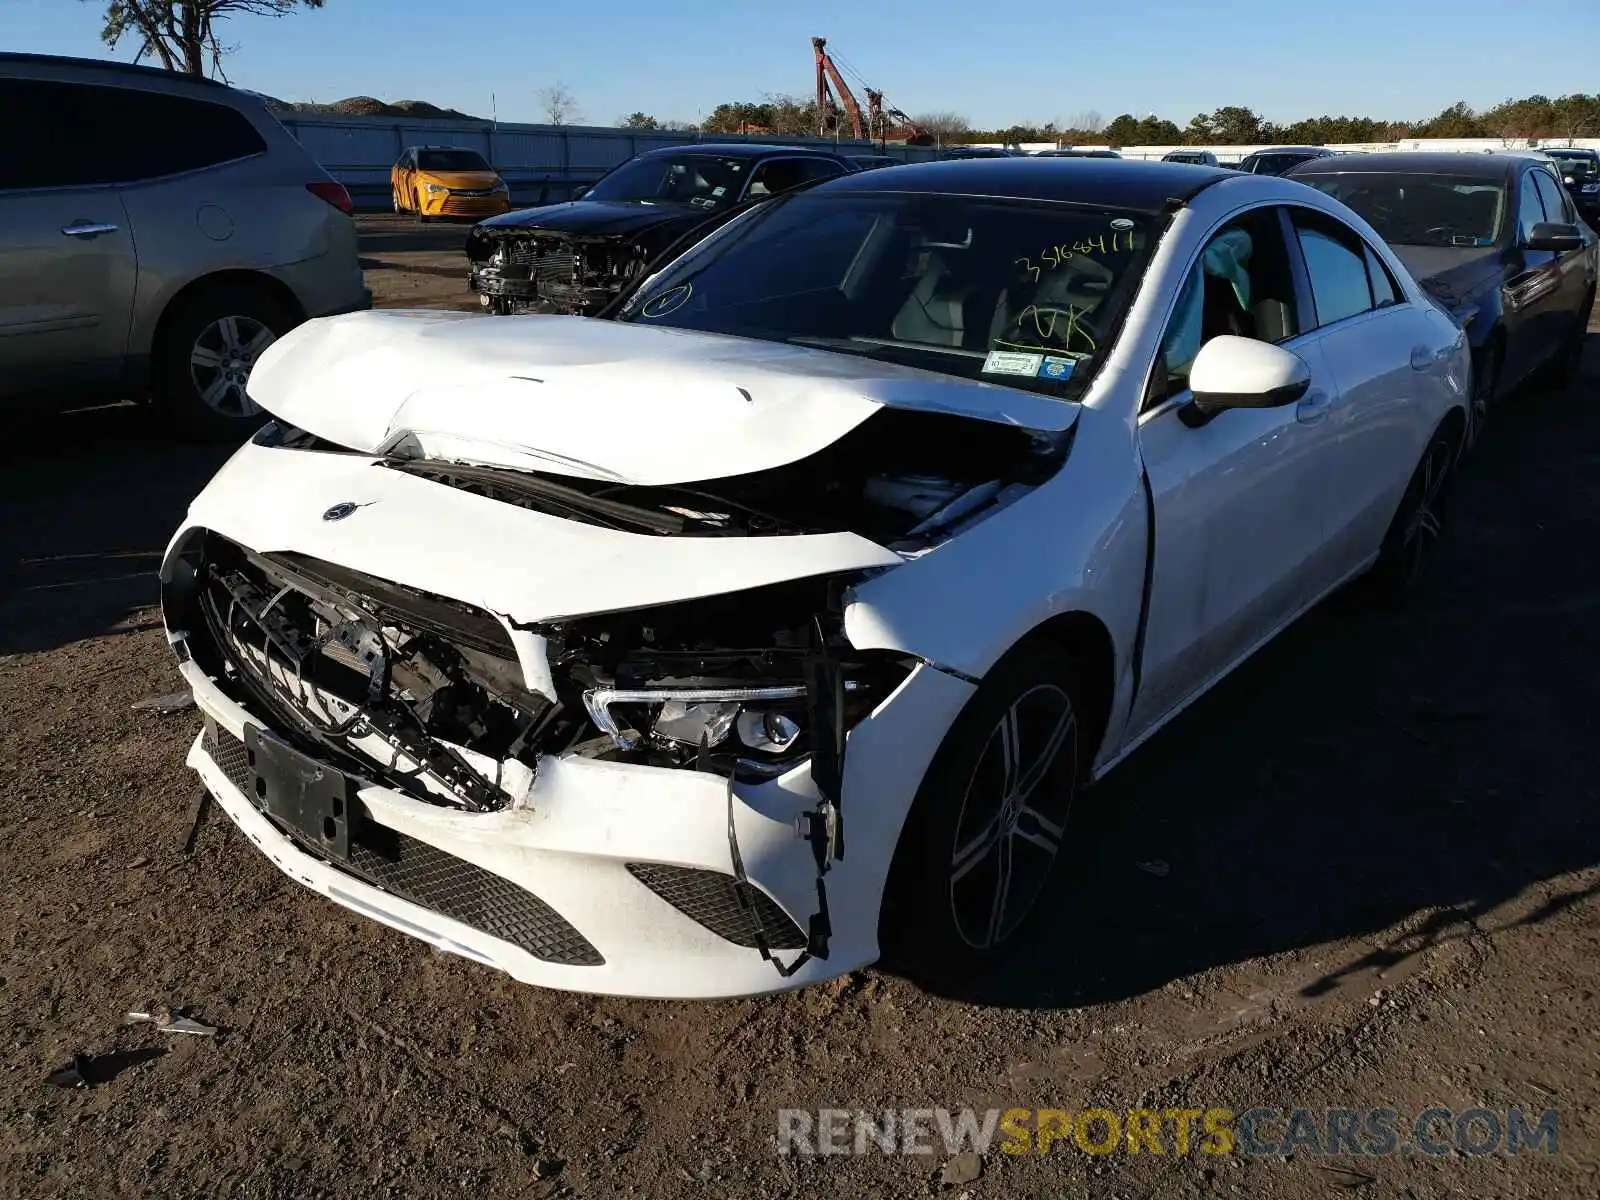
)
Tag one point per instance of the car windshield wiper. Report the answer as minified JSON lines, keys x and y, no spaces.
{"x":865,"y":346}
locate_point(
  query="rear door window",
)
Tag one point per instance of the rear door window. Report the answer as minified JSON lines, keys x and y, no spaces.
{"x":1336,"y":262}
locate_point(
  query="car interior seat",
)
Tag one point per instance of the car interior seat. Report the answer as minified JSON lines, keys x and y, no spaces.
{"x":946,"y":307}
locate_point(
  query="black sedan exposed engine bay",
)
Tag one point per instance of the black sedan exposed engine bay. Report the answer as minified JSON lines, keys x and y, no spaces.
{"x":576,"y":257}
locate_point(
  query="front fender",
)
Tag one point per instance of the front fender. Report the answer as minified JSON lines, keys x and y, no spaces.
{"x":1077,"y":543}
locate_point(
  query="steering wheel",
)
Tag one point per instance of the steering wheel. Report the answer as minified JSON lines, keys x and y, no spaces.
{"x":1444,"y":231}
{"x":1069,"y":327}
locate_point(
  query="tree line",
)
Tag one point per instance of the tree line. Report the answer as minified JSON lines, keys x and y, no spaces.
{"x":1541,"y":117}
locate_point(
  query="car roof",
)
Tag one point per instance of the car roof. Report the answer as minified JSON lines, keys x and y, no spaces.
{"x":1289,"y":150}
{"x":1404,"y":162}
{"x":1571,"y":152}
{"x":735,"y":150}
{"x":1115,"y":183}
{"x":110,"y":66}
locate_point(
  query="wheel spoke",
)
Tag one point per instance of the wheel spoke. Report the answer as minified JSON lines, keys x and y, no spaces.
{"x":1009,"y":765}
{"x":1041,"y":765}
{"x":204,"y":356}
{"x":216,"y":391}
{"x":228,"y":327}
{"x":1047,"y":835}
{"x":263,"y":338}
{"x":1002,"y":892}
{"x":977,"y":849}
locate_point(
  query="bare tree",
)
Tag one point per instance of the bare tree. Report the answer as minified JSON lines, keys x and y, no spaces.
{"x":943,"y":124}
{"x":558,"y":103}
{"x":182,"y":33}
{"x":1089,"y":121}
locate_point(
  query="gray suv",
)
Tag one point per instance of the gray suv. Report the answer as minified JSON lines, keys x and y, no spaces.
{"x":157,"y":232}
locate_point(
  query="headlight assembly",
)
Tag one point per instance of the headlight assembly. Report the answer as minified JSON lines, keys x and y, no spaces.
{"x":433,"y":189}
{"x":766,"y":719}
{"x":764,"y":728}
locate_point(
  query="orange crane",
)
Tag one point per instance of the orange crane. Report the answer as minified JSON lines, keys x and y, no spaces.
{"x":827,"y":108}
{"x":874,"y":125}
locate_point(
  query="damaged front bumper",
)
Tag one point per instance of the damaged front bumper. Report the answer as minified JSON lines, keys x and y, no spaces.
{"x":595,"y":871}
{"x":522,"y":270}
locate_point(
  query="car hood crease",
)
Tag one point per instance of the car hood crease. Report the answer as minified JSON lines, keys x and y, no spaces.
{"x":597,"y":399}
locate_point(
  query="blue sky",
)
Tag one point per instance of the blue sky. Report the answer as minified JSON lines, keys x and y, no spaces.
{"x":997,"y":62}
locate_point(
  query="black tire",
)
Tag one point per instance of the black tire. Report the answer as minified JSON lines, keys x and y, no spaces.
{"x":416,"y":207}
{"x":1485,"y":387}
{"x":209,"y":342}
{"x":398,"y":206}
{"x":941,"y":923}
{"x":1566,"y":366}
{"x":1418,"y":526}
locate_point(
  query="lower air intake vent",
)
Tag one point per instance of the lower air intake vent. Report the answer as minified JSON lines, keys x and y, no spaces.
{"x":722,"y":904}
{"x":413,"y":870}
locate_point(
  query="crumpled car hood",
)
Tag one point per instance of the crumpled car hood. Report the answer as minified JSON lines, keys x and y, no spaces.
{"x":596,"y":399}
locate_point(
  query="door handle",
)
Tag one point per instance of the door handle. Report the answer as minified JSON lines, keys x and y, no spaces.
{"x":87,"y":229}
{"x":1313,"y":408}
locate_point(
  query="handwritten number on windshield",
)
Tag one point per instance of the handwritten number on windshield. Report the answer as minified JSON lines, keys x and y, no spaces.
{"x":1054,"y":256}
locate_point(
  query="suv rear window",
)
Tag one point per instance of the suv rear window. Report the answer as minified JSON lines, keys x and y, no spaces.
{"x":77,"y":134}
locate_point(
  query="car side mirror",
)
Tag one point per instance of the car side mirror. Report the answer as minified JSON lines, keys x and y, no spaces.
{"x":1239,"y":372}
{"x":1554,"y":236}
{"x":579,"y":192}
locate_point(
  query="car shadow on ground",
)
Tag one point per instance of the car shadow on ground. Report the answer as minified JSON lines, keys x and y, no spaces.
{"x":399,"y":235}
{"x":88,"y":501}
{"x":1363,"y":768}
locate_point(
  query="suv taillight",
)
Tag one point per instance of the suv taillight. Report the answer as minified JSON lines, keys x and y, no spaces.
{"x":334,"y":193}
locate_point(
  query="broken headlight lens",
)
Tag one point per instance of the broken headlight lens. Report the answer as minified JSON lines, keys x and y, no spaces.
{"x":765,"y":719}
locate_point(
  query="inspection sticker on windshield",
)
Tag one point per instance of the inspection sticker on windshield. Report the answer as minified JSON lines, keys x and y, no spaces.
{"x":1057,"y":368}
{"x":1012,"y":362}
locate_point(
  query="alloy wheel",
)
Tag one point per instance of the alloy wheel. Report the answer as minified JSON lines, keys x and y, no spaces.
{"x":1425,"y":524}
{"x":1013,"y":817}
{"x":221,"y":360}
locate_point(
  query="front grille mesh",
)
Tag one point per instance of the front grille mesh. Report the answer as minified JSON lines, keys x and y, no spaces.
{"x":425,"y":875}
{"x":722,"y":904}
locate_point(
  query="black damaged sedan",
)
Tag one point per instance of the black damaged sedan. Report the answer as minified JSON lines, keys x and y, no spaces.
{"x":1496,"y":239}
{"x":576,"y":257}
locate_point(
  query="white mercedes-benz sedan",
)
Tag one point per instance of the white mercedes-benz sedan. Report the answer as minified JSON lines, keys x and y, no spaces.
{"x":769,"y":627}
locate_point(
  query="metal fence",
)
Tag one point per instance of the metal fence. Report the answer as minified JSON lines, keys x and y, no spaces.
{"x":541,"y":163}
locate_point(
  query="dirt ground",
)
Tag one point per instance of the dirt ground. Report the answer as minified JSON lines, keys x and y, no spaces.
{"x":409,"y":264}
{"x":1364,"y":872}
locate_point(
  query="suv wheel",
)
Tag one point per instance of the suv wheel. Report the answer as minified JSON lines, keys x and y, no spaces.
{"x":210,"y":344}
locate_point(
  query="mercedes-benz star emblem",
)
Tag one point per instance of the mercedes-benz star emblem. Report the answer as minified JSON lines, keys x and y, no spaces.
{"x":339,"y":511}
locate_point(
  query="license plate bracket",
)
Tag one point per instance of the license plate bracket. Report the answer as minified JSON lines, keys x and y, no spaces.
{"x":315,"y":801}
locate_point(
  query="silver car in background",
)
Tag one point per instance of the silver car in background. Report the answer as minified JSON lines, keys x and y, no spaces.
{"x":157,"y":232}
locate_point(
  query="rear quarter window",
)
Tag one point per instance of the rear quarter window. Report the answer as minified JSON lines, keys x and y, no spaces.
{"x":84,"y":134}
